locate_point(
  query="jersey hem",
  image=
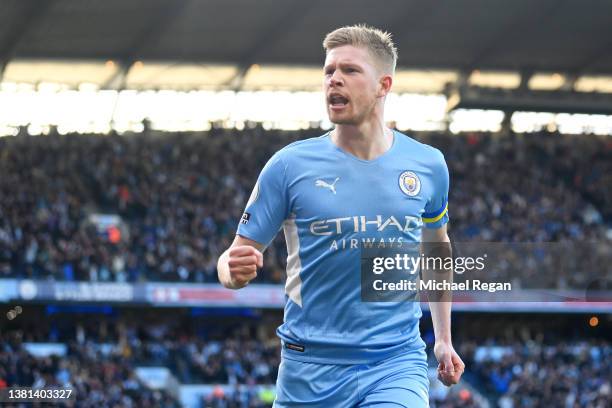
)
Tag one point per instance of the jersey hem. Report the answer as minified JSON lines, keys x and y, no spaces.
{"x":330,"y":355}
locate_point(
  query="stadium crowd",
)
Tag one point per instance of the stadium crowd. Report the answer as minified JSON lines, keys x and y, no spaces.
{"x":539,"y":373}
{"x":519,"y":364}
{"x":96,"y":379}
{"x":101,"y":358}
{"x":181,"y":195}
{"x":217,"y":354}
{"x":566,"y":374}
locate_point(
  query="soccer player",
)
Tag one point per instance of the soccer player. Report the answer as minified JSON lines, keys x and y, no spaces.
{"x":359,"y":182}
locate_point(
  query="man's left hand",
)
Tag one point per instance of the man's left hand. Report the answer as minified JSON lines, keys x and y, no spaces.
{"x":450,"y":366}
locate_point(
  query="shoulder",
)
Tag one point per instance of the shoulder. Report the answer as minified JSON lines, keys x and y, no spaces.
{"x":296,"y":153}
{"x":302,"y":148}
{"x":304,"y":145}
{"x":424,"y":152}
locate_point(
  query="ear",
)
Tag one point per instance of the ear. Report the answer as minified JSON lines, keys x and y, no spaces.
{"x":384,"y":85}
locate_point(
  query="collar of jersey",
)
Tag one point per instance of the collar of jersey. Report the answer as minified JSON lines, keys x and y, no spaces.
{"x":353,"y":157}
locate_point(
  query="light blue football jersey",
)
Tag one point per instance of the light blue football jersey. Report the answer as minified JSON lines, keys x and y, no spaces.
{"x":329,"y":203}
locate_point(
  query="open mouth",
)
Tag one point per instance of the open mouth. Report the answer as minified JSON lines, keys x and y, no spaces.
{"x":337,"y":101}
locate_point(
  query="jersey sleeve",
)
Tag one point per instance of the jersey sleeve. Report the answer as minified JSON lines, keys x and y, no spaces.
{"x":436,"y":209}
{"x":268,"y":204}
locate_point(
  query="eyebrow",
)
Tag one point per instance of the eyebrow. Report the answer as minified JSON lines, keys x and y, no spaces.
{"x":343,"y":65}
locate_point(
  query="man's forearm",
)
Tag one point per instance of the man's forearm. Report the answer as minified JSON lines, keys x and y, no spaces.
{"x":440,"y":317}
{"x":440,"y":301}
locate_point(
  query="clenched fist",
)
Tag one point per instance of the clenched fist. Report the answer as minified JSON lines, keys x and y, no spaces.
{"x":450,"y":367}
{"x":243,"y":262}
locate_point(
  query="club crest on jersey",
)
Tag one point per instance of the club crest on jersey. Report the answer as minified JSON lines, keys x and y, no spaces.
{"x":409,"y":183}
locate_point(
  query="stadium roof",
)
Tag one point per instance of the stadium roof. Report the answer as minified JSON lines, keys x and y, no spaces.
{"x":571,"y":36}
{"x":276,"y":44}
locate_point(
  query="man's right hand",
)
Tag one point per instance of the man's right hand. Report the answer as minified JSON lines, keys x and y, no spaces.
{"x":243,"y":262}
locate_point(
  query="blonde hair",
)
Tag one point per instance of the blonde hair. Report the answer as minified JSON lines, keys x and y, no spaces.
{"x":377,"y":42}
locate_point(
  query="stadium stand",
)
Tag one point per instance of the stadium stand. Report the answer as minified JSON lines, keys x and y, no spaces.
{"x":97,"y":378}
{"x":180,"y":196}
{"x":531,"y":361}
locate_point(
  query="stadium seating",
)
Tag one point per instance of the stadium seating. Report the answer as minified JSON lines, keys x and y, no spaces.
{"x":181,"y":196}
{"x":521,"y":362}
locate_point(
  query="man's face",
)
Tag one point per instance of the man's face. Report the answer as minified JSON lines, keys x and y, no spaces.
{"x":351,"y":84}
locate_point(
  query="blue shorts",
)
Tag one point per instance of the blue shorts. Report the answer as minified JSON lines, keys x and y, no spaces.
{"x":399,"y":381}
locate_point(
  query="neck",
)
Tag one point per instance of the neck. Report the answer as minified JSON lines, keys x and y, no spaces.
{"x":366,"y":141}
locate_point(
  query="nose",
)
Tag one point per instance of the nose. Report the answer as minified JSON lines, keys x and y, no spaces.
{"x":335,"y":79}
